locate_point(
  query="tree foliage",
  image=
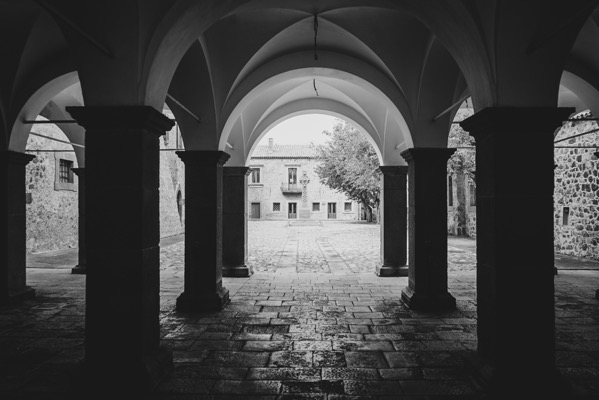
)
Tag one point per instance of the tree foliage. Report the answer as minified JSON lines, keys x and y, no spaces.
{"x":348,"y":163}
{"x":463,"y":160}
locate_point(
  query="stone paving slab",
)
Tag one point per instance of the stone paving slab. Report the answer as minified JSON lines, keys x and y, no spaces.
{"x":298,"y":335}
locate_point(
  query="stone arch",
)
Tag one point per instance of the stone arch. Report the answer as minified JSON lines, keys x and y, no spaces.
{"x":291,"y":93}
{"x":579,"y":92}
{"x":51,"y":97}
{"x":301,"y":107}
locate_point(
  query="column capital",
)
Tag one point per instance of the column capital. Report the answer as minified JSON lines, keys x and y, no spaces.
{"x":121,"y":117}
{"x":429,"y":153}
{"x":393,"y":170}
{"x":494,"y":120}
{"x":203,"y":157}
{"x":14,"y":157}
{"x":80,"y":172}
{"x":236,"y":171}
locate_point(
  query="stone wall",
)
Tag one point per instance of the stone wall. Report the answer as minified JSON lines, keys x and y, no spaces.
{"x":172,"y":181}
{"x":274,"y":173}
{"x":576,"y":204}
{"x":53,"y":213}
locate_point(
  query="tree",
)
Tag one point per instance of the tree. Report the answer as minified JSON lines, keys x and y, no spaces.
{"x":462,"y":166}
{"x":348,"y":163}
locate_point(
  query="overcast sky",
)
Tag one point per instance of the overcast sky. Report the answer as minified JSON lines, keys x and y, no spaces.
{"x":302,"y":129}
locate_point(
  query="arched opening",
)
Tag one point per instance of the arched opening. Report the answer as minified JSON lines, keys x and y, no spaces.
{"x":305,"y":215}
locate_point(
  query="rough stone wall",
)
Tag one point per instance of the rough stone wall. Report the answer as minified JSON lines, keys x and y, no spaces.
{"x":172,"y":180}
{"x":52,"y":215}
{"x":576,"y":196}
{"x":274,"y":173}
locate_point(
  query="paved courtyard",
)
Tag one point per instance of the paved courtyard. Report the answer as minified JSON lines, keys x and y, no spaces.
{"x":313,"y":322}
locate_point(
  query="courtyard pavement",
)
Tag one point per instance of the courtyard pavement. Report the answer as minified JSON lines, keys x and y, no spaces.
{"x":313,"y":322}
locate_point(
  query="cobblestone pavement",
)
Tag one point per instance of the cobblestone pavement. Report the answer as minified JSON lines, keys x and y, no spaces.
{"x":325,"y":247}
{"x":297,"y":334}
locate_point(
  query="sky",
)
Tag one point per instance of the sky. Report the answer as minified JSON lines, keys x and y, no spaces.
{"x":302,"y":129}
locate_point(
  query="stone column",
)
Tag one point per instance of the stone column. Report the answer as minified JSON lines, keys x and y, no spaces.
{"x":427,"y":272}
{"x":122,"y":329}
{"x":514,"y":216}
{"x":235,"y":225}
{"x":203,"y":231}
{"x":81,"y":267}
{"x":394,"y":221}
{"x":13,"y":236}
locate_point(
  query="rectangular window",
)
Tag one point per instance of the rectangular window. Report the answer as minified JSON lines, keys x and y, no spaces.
{"x":315,"y":206}
{"x":276,"y":206}
{"x":65,"y":173}
{"x":449,"y":191}
{"x":255,"y":178}
{"x":347,"y":206}
{"x":292,"y":176}
{"x":565,"y":216}
{"x":472,"y":195}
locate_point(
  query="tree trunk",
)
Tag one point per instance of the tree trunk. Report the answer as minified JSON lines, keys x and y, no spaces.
{"x":367,"y":211}
{"x":460,"y":215}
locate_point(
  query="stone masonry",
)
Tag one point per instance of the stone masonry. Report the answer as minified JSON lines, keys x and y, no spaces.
{"x":576,"y":207}
{"x":52,"y":210}
{"x":273,"y":193}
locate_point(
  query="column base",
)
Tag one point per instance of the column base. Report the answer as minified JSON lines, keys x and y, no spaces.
{"x":200,"y":303}
{"x":515,"y":384}
{"x":20,"y":296}
{"x":79,"y":270}
{"x":237,"y":271}
{"x":424,"y":302}
{"x":391,"y":270}
{"x":115,"y":377}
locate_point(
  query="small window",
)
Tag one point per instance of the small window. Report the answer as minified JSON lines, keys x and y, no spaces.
{"x":472,"y":195}
{"x":255,"y":178}
{"x":449,"y":191}
{"x":565,"y":216}
{"x":65,"y":174}
{"x":276,"y":207}
{"x":347,"y":206}
{"x":315,"y":206}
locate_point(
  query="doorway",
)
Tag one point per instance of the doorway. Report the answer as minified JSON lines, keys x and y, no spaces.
{"x":292,"y":210}
{"x":332,"y":210}
{"x":255,"y":211}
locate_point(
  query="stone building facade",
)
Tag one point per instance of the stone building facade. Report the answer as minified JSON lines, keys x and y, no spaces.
{"x":283,"y":184}
{"x":576,"y":195}
{"x":576,"y":191}
{"x":52,"y":189}
{"x":52,"y":206}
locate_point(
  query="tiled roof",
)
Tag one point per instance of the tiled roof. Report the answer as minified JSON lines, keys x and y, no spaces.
{"x":285,"y":151}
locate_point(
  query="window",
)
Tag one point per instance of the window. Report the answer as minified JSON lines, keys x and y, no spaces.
{"x":347,"y":206}
{"x":293,"y":176}
{"x":65,"y":175}
{"x":472,"y":195}
{"x":449,"y":191}
{"x":315,"y":206}
{"x":565,"y":216}
{"x":276,"y":206}
{"x":255,"y":177}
